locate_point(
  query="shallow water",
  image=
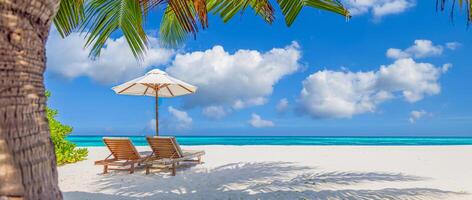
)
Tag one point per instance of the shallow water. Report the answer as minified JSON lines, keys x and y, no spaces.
{"x":287,"y":140}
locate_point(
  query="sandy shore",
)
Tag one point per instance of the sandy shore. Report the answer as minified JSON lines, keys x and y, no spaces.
{"x":287,"y":172}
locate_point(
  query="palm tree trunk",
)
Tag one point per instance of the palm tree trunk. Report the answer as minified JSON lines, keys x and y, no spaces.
{"x":27,"y":159}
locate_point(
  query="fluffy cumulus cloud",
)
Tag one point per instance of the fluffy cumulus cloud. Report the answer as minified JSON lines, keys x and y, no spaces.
{"x":414,"y":80}
{"x":379,"y":8}
{"x":342,"y":94}
{"x":180,"y":120}
{"x":282,"y":106}
{"x":420,"y":49}
{"x":67,"y":58}
{"x":214,"y":112}
{"x":257,"y":122}
{"x":233,"y":80}
{"x":416,"y":115}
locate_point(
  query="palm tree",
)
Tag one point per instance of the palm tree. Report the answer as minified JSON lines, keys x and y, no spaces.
{"x":27,"y":160}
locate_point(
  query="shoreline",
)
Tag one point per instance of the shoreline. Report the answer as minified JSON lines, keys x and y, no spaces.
{"x":286,"y":172}
{"x":289,"y":141}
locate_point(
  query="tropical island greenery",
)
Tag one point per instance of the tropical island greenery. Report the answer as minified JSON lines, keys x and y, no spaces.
{"x":66,"y":151}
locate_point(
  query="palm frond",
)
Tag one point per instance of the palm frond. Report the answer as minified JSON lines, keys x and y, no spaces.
{"x":201,"y":11}
{"x":264,"y":9}
{"x":186,"y":12}
{"x":180,"y":19}
{"x":69,"y":16}
{"x":291,"y":8}
{"x":147,"y":5}
{"x":228,"y":8}
{"x":172,"y":33}
{"x":463,"y":4}
{"x":104,"y":17}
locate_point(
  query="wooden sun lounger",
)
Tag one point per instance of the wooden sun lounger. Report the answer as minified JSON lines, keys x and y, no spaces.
{"x":123,"y":153}
{"x":167,"y":152}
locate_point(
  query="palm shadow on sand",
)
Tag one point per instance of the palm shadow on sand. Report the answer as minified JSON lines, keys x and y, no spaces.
{"x":260,"y":180}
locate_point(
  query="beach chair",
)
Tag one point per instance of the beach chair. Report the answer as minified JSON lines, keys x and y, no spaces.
{"x":166,"y":152}
{"x":123,"y":153}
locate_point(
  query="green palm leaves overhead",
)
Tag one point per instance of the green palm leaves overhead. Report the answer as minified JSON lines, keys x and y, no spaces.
{"x":103,"y":17}
{"x":69,"y":15}
{"x":467,"y":4}
{"x":291,"y":8}
{"x":173,"y":31}
{"x":99,"y":19}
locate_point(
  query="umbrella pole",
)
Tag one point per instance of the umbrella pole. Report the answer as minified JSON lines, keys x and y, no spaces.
{"x":157,"y":111}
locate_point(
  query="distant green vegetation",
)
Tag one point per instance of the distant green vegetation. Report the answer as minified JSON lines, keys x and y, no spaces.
{"x":66,"y":152}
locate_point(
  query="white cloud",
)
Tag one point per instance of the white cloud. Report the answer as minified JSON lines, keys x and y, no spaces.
{"x":421,"y":49}
{"x":414,"y":80}
{"x":67,"y":58}
{"x":282,"y":106}
{"x":342,"y":94}
{"x":180,"y":119}
{"x":151,"y":125}
{"x":396,"y":53}
{"x":257,"y":122}
{"x":446,"y":67}
{"x":379,"y":8}
{"x":391,"y":7}
{"x":234,"y":81}
{"x":214,"y":112}
{"x":257,"y":101}
{"x":453,"y":45}
{"x":337,"y":94}
{"x":416,"y":115}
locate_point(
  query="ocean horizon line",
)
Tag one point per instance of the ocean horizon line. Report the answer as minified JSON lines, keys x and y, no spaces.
{"x":321,"y":136}
{"x":288,"y":140}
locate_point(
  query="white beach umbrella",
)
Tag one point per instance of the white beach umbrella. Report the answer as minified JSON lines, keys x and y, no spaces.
{"x":155,"y":83}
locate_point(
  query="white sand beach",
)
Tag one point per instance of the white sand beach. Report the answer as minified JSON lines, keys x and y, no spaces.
{"x":286,"y":172}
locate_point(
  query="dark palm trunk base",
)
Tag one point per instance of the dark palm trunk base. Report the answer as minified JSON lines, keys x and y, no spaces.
{"x":27,"y":159}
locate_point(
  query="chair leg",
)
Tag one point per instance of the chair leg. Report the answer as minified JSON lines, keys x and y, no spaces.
{"x":199,"y":160}
{"x":131,"y":170}
{"x":173,"y":169}
{"x":105,"y":169}
{"x":148,"y":169}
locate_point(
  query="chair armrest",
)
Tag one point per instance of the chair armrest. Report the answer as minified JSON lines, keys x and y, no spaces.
{"x":104,"y":162}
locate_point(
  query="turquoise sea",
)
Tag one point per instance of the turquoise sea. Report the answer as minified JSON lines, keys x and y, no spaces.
{"x":287,"y":140}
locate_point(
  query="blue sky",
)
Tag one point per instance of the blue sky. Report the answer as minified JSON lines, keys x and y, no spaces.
{"x":397,"y":68}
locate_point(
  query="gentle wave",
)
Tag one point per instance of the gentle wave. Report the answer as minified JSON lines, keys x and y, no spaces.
{"x":288,"y":140}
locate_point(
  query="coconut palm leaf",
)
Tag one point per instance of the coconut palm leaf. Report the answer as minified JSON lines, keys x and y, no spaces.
{"x":463,"y":4}
{"x":291,"y":8}
{"x":182,"y":18}
{"x":173,"y":32}
{"x":228,"y":8}
{"x":149,"y":4}
{"x":200,"y":7}
{"x":104,"y":17}
{"x":69,"y":16}
{"x":186,"y":12}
